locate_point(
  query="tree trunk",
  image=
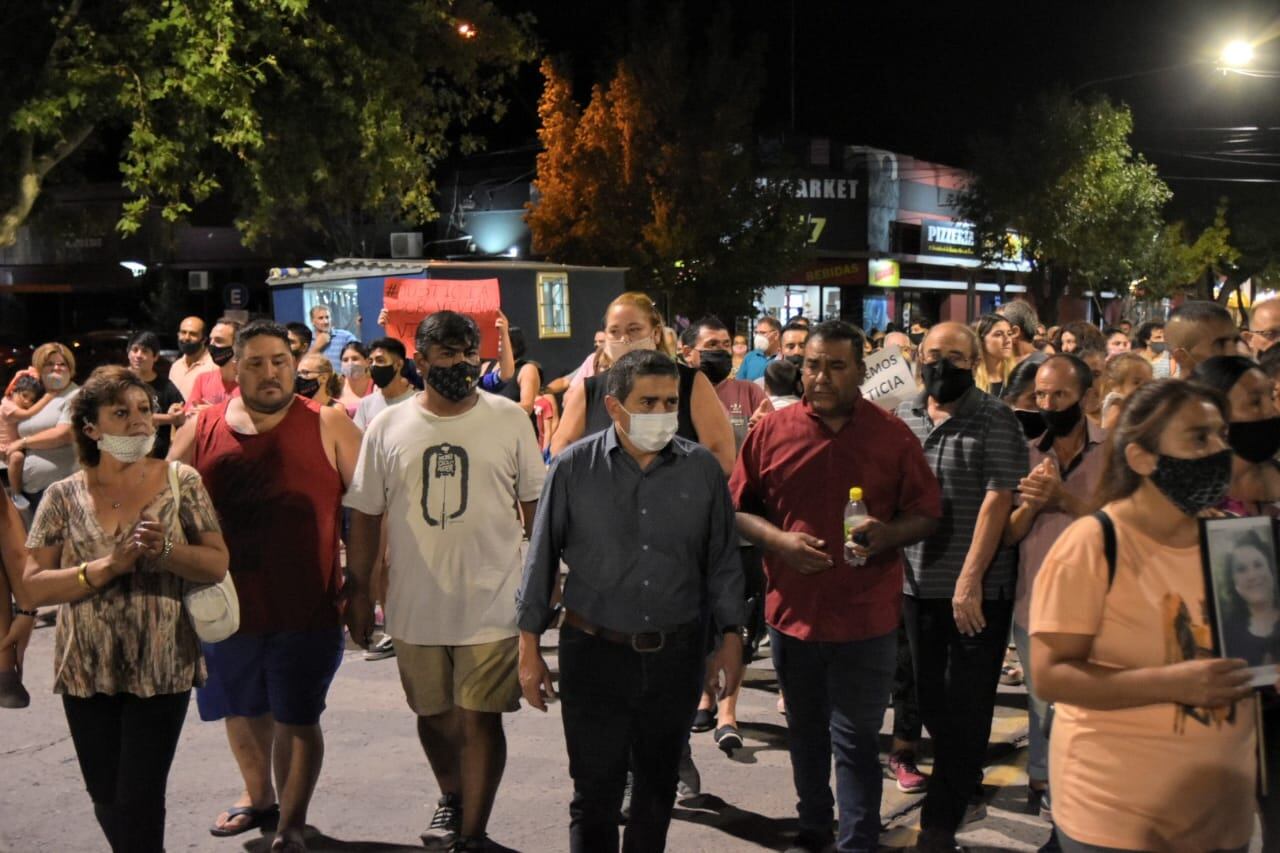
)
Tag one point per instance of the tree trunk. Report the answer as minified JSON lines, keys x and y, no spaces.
{"x":31,"y":174}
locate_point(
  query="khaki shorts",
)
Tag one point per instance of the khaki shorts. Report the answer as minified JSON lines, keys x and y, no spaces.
{"x":482,"y":677}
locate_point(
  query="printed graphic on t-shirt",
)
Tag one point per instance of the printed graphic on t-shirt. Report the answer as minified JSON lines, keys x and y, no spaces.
{"x":1187,"y":640}
{"x":445,"y":475}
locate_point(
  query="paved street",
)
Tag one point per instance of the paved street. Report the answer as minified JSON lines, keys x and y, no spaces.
{"x":373,"y":792}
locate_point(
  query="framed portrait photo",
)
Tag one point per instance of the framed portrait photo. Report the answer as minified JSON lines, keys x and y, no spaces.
{"x":1243,"y":591}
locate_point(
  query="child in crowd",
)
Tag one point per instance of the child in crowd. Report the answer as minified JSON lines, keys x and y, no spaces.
{"x":1125,"y":373}
{"x":546,"y":417}
{"x":24,"y":398}
{"x":782,"y":381}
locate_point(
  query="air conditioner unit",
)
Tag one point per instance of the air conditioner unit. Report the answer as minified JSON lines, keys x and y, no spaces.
{"x":198,"y":280}
{"x":406,"y":244}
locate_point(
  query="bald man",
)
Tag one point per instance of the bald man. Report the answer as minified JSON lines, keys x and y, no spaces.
{"x":1198,"y":330}
{"x":902,"y":342}
{"x":1264,"y":326}
{"x":195,"y":356}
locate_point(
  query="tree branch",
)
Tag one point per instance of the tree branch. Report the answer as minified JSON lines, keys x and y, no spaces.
{"x":31,"y":174}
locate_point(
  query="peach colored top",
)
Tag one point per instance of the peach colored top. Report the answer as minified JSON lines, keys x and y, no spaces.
{"x":1159,"y":777}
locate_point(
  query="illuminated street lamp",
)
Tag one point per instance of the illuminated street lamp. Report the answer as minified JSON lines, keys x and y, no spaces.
{"x":467,"y":31}
{"x":1237,"y":54}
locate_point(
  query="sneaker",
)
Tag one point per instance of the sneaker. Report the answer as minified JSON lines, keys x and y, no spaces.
{"x":688,"y":779}
{"x":624,"y":813}
{"x":383,"y":648}
{"x":910,"y":779}
{"x":12,"y":693}
{"x":811,"y":841}
{"x":446,"y":823}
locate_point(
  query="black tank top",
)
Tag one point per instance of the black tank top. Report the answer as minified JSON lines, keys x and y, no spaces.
{"x":598,"y":416}
{"x":511,"y":389}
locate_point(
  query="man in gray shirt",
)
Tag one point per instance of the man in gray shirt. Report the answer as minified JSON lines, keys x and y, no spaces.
{"x":645,"y":523}
{"x":960,"y":582}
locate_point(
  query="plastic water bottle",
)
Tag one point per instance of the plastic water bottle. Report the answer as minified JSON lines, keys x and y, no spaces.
{"x":855,"y":512}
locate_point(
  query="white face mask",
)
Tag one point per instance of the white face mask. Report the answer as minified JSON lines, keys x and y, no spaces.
{"x":761,"y":342}
{"x":127,"y":448}
{"x":55,"y":381}
{"x":651,"y":433}
{"x":351,"y":370}
{"x":617,"y":349}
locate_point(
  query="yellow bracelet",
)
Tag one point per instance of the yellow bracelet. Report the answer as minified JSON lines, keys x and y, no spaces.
{"x":83,"y":576}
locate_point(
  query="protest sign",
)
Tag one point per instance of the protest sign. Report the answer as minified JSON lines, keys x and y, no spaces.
{"x":890,"y":380}
{"x":408,"y":300}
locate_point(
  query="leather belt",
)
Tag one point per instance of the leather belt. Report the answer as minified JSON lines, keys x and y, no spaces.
{"x":644,"y":642}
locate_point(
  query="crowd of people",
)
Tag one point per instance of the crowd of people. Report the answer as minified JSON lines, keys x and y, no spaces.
{"x":673,"y":506}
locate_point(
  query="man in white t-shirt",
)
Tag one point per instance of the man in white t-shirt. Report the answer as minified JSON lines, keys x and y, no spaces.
{"x":447,"y":470}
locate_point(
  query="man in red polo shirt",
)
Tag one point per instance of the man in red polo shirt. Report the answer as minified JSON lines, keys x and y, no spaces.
{"x":832,"y":624}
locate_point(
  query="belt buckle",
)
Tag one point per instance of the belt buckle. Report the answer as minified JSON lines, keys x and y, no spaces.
{"x":662,"y":642}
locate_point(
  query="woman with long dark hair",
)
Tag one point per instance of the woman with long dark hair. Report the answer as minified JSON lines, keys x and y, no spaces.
{"x":1119,"y":641}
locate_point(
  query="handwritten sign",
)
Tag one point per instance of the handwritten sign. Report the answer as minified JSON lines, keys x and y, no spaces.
{"x":408,"y":300}
{"x":890,"y":379}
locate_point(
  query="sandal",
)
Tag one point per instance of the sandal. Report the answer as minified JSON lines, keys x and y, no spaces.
{"x":257,"y":818}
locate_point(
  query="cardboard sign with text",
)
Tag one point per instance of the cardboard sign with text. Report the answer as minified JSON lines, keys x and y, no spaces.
{"x":408,"y":300}
{"x":890,"y":379}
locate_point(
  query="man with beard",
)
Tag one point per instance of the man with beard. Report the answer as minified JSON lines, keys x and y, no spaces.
{"x":276,"y":466}
{"x":195,"y":356}
{"x":215,"y":386}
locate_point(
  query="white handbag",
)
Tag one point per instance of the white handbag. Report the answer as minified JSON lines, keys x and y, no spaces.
{"x":213,"y":608}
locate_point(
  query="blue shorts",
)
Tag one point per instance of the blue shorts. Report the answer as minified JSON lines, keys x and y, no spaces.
{"x":286,"y":674}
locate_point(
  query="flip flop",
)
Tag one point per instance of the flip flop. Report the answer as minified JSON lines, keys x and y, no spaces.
{"x":257,"y":818}
{"x":728,"y":738}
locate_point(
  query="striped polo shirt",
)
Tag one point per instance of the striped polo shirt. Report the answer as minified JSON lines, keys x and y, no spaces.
{"x":978,"y":449}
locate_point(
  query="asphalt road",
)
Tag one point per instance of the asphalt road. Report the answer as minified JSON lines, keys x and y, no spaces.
{"x":374,"y":792}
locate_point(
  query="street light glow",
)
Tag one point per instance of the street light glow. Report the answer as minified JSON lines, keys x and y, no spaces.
{"x":466,"y":30}
{"x":1237,"y":54}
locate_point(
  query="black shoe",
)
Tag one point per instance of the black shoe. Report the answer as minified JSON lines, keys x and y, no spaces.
{"x":470,"y":845}
{"x":810,"y":841}
{"x":704,"y":720}
{"x":930,"y":842}
{"x":1051,"y":846}
{"x":688,"y":779}
{"x":446,"y":823}
{"x":12,"y":693}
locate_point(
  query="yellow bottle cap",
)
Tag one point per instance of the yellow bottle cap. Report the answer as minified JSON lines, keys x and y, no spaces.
{"x":855,"y":494}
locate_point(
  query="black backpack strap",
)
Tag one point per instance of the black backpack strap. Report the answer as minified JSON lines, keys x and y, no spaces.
{"x":1108,"y":544}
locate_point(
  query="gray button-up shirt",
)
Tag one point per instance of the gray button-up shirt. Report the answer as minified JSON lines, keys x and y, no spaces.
{"x":977,"y":450}
{"x":647,"y":550}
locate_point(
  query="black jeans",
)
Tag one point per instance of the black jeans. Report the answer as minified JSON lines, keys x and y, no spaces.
{"x":956,"y":680}
{"x":906,"y":707}
{"x":125,"y":745}
{"x":625,"y":707}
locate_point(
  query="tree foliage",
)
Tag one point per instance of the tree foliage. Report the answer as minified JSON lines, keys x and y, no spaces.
{"x":1087,"y":208}
{"x":312,"y":113}
{"x":657,"y":172}
{"x":1177,"y":264}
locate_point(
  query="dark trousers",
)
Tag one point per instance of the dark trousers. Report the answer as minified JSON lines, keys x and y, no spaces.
{"x":906,"y":707}
{"x":1269,"y":803}
{"x":956,"y":679}
{"x":837,"y":694}
{"x":125,"y":745}
{"x":622,"y":707}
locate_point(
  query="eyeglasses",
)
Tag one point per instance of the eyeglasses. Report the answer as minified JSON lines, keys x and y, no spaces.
{"x":1272,"y":335}
{"x":958,"y":360}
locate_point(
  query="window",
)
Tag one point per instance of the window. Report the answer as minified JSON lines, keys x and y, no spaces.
{"x":340,"y":297}
{"x":553,"y":305}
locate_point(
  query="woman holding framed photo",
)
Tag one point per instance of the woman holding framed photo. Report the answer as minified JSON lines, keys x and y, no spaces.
{"x":1120,"y":643}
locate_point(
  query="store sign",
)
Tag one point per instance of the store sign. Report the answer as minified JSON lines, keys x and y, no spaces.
{"x":947,"y":238}
{"x":883,"y":273}
{"x":890,"y":381}
{"x":833,"y":207}
{"x":850,"y":272}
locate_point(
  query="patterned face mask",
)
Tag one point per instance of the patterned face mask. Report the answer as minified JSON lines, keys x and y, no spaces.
{"x":455,"y":382}
{"x":1193,"y":485}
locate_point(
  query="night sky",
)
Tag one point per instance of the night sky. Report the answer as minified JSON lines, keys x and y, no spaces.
{"x":922,"y":78}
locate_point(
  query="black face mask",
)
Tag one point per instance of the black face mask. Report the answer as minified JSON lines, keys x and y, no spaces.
{"x":190,"y":347}
{"x":1255,"y":441}
{"x":1062,"y":422}
{"x":221,"y":355}
{"x":1193,"y":485}
{"x":455,"y":382}
{"x":797,"y":360}
{"x":716,"y":363}
{"x":1032,"y":421}
{"x":945,"y":382}
{"x":383,"y":374}
{"x":916,"y":337}
{"x":306,"y":387}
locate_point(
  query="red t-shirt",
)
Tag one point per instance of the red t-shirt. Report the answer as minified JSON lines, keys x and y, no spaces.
{"x":796,"y":473}
{"x":209,"y":388}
